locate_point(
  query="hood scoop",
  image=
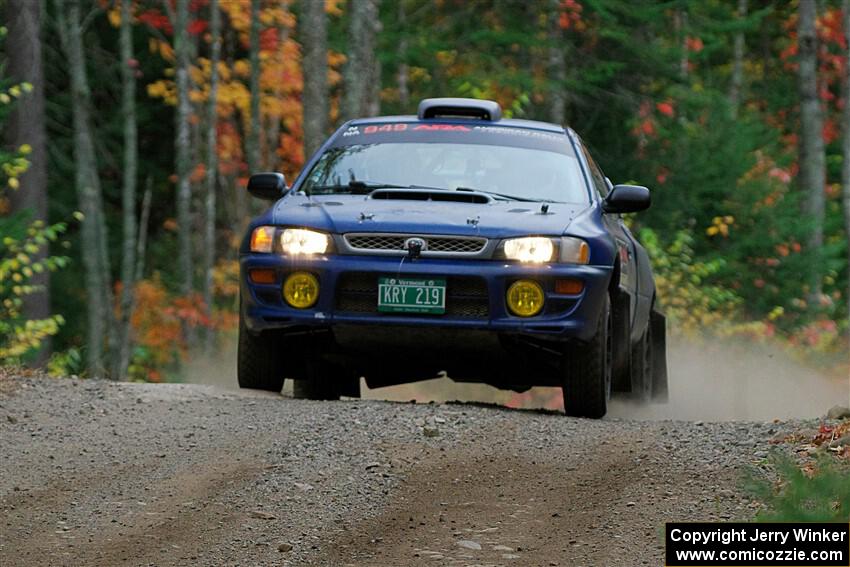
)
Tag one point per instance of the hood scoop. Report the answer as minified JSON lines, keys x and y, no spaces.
{"x":430,"y":195}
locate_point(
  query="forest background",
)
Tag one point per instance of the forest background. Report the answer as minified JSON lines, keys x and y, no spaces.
{"x":130,"y":128}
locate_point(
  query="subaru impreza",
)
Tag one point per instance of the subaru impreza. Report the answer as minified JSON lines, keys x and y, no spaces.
{"x":455,"y":241}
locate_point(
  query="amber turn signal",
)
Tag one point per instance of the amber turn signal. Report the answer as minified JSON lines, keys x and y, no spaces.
{"x":569,"y":287}
{"x":262,"y":275}
{"x":262,"y":239}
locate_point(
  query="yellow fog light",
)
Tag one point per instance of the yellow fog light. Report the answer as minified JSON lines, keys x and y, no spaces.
{"x":301,"y":290}
{"x":525,"y":298}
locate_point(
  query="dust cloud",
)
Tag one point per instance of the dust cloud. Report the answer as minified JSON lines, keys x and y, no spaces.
{"x":216,"y":369}
{"x":709,"y":381}
{"x":715,"y":381}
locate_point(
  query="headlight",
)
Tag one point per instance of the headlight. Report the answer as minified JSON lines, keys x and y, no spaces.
{"x":540,"y":249}
{"x":262,"y":239}
{"x":536,"y":249}
{"x":303,"y":241}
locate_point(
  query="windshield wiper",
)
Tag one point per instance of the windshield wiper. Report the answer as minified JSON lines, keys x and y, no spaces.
{"x":501,"y":195}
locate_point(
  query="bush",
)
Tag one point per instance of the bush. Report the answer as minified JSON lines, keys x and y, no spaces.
{"x":686,"y":287}
{"x":18,"y":336}
{"x":822,"y":495}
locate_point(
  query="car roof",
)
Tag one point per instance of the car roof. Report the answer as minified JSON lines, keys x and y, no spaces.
{"x":504,"y":122}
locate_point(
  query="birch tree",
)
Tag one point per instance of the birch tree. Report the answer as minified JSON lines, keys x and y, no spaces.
{"x":253,"y":142}
{"x":128,"y":193}
{"x":360,"y":70}
{"x":313,"y":28}
{"x":87,"y":182}
{"x":557,"y":67}
{"x":182,"y":143}
{"x":812,"y":158}
{"x":402,"y":77}
{"x":212,"y":166}
{"x":26,"y":127}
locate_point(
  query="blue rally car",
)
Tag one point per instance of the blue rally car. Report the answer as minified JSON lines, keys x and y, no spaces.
{"x":452,"y":241}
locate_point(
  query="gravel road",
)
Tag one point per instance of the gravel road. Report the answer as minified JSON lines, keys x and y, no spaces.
{"x":101,"y":473}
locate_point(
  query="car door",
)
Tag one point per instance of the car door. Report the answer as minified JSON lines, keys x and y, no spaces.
{"x":643,"y":280}
{"x":622,"y":236}
{"x":636,"y":274}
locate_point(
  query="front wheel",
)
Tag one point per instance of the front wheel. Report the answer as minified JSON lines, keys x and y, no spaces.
{"x":326,"y":381}
{"x":587,"y":370}
{"x":259,"y":360}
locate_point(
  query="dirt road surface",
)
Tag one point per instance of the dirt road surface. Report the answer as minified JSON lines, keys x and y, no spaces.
{"x":99,"y":473}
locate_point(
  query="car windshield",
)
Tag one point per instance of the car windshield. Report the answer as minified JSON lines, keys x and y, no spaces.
{"x":507,"y":172}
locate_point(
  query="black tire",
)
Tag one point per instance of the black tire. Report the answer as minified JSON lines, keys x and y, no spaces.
{"x":621,"y":379}
{"x":587,"y":370}
{"x":642,"y":372}
{"x":326,"y":381}
{"x":658,"y":323}
{"x":260,"y":361}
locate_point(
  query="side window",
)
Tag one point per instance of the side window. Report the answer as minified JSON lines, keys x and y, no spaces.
{"x":596,"y":175}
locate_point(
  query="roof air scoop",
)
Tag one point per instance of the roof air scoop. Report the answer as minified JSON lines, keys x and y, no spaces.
{"x":460,"y":108}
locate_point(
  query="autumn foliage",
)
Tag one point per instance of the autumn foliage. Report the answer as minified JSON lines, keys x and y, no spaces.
{"x":647,"y":84}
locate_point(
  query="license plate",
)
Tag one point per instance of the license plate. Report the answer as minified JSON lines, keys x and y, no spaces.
{"x":405,"y":295}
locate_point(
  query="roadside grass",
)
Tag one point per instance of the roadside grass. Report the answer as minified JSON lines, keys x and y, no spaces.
{"x":818,"y":491}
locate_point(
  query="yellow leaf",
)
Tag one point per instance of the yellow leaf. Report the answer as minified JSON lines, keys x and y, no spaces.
{"x":242,"y":68}
{"x":114,"y":16}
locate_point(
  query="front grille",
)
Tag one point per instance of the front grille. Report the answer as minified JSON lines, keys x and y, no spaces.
{"x":357,"y":292}
{"x":376,"y":242}
{"x":443,"y":245}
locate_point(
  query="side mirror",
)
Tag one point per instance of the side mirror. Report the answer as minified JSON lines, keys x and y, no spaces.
{"x":627,"y":199}
{"x":268,"y":186}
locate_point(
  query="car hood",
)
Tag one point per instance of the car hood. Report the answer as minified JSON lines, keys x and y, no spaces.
{"x":356,"y":213}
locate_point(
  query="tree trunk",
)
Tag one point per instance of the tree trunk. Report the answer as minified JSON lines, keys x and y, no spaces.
{"x":373,"y":94}
{"x":557,"y":67}
{"x":314,"y":37}
{"x":272,"y":137}
{"x":253,"y":142}
{"x":738,"y":62}
{"x":142,"y":240}
{"x":93,"y":231}
{"x":360,"y":70}
{"x":403,"y":69}
{"x":680,"y":26}
{"x":845,"y":169}
{"x":182,"y":149}
{"x":812,"y":159}
{"x":212,"y":168}
{"x":128,"y":195}
{"x":26,"y":126}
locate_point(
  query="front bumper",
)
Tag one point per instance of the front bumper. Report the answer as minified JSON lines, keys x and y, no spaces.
{"x":563,"y":317}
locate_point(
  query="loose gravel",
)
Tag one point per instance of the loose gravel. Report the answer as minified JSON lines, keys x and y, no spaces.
{"x":102,"y":473}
